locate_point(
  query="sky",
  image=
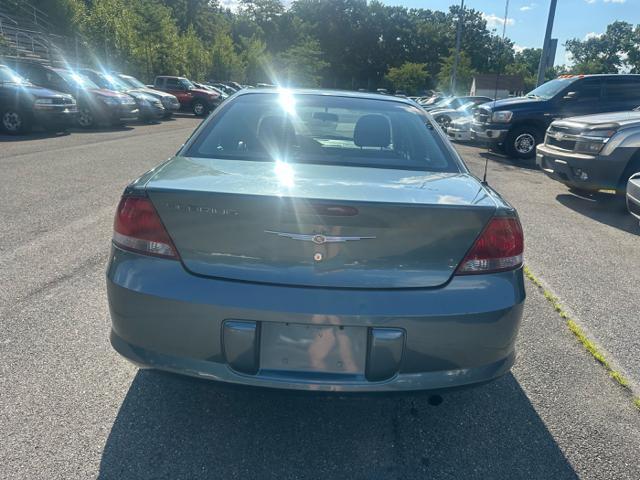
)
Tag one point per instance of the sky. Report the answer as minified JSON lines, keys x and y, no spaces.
{"x":527,"y":20}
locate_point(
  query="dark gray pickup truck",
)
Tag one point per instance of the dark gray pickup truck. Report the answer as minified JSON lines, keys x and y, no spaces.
{"x":594,"y":152}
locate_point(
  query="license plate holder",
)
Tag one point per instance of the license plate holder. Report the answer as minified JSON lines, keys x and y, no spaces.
{"x":311,"y":348}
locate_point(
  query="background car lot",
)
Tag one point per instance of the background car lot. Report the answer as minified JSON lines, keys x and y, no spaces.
{"x":71,"y":408}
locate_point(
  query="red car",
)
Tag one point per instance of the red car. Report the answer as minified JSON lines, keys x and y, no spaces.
{"x":198,"y":100}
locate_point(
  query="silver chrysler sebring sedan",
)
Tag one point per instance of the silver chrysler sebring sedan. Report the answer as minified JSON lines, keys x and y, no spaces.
{"x":317,"y":240}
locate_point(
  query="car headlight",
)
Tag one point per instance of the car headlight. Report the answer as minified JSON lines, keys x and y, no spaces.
{"x":592,"y":142}
{"x":502,"y":117}
{"x":127,"y":101}
{"x":44,"y":101}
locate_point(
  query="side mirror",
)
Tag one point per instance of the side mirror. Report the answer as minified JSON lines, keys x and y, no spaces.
{"x":570,"y":96}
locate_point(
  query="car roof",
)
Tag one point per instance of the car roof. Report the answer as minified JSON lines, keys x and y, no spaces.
{"x":329,"y":93}
{"x":578,"y":76}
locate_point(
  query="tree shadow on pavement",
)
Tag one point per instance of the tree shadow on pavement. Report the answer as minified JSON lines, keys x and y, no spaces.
{"x":178,"y":427}
{"x":602,"y":207}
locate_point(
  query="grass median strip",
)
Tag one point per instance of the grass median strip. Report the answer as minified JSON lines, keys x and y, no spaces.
{"x":588,"y":344}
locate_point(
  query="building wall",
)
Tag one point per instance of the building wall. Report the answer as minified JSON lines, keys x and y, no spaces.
{"x":490,"y":92}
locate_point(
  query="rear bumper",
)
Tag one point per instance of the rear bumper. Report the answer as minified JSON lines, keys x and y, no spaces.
{"x":589,"y":172}
{"x":460,"y":334}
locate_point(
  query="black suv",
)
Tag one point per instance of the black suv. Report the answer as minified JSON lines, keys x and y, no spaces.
{"x":22,"y":105}
{"x":517,"y":125}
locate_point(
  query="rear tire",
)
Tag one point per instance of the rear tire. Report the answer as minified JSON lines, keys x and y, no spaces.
{"x":15,"y":122}
{"x":521,"y":142}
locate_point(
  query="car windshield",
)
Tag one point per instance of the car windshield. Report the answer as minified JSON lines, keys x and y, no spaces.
{"x":132,"y":81}
{"x":9,"y":76}
{"x":444,"y":103}
{"x":76,"y":80}
{"x":113,"y":83}
{"x":187,"y":83}
{"x":467,"y":107}
{"x":324,"y":129}
{"x":551,"y":88}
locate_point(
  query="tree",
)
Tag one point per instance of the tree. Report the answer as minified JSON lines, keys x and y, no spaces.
{"x":525,"y":63}
{"x":111,"y":25}
{"x":258,"y":67}
{"x":331,"y":43}
{"x":409,"y":77}
{"x":602,"y":53}
{"x":464,"y":75}
{"x":301,"y":65}
{"x":226,"y":64}
{"x":197,"y":59}
{"x":157,"y":49}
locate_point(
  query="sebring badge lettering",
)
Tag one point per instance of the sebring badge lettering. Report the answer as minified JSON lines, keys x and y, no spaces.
{"x":203,"y":209}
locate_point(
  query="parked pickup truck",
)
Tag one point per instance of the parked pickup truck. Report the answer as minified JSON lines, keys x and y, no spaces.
{"x":517,"y":125}
{"x":197,"y":100}
{"x":595,"y":152}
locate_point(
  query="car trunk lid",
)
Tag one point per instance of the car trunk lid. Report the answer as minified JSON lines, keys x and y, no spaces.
{"x":319,"y":225}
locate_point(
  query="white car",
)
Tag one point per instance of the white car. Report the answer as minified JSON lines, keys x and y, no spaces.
{"x":460,"y":129}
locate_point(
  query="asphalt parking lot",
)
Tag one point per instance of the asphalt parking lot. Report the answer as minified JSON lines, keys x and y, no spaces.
{"x":70,"y":407}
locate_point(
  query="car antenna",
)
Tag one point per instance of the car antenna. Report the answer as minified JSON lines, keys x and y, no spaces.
{"x":495,"y":92}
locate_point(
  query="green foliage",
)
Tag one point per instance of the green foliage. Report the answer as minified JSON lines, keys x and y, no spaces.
{"x":197,"y":59}
{"x":329,"y":43}
{"x":408,"y":77}
{"x":225,"y":62}
{"x":111,"y":25}
{"x":157,"y":47}
{"x":257,"y":61}
{"x":606,"y":53}
{"x":301,"y":65}
{"x":464,"y":75}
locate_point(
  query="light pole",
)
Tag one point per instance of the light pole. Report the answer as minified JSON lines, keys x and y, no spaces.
{"x":546,"y":44}
{"x":456,"y":58}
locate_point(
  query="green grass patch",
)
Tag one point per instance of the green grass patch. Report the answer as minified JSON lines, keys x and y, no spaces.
{"x":574,"y":328}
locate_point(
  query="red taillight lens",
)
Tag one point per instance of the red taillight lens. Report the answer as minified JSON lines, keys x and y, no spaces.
{"x":498,"y":248}
{"x":138,"y":227}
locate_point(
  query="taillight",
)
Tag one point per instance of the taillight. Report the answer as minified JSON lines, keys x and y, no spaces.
{"x":498,"y":248}
{"x":138,"y":227}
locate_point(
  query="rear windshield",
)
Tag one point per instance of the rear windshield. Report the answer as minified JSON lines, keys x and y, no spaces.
{"x":324,"y":129}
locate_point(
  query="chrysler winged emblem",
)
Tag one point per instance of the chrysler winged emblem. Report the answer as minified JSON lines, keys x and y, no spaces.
{"x":317,"y":238}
